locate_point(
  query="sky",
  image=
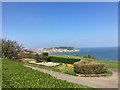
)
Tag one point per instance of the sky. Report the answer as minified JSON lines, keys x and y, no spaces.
{"x":50,"y":24}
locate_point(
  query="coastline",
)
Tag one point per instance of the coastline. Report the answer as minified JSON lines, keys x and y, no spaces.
{"x":109,"y":53}
{"x":41,"y":50}
{"x":115,"y":60}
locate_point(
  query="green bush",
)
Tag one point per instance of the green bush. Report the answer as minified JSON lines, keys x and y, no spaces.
{"x":63,"y":60}
{"x":85,"y":67}
{"x":45,"y":54}
{"x":45,"y":58}
{"x":28,"y":55}
{"x":40,"y":58}
{"x":89,"y":56}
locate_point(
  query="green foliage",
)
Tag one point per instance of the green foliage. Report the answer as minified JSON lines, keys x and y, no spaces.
{"x":45,"y":54}
{"x":28,"y":55}
{"x":89,"y":56}
{"x":64,"y":47}
{"x":65,"y":69}
{"x":15,"y":75}
{"x":37,"y":57}
{"x":110,"y":64}
{"x":40,"y":58}
{"x":63,"y":60}
{"x":85,"y":67}
{"x":11,"y":49}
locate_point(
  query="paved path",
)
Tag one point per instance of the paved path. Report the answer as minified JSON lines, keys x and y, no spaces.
{"x":97,"y":82}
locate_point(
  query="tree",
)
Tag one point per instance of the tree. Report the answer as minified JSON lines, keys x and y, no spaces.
{"x":37,"y":57}
{"x":45,"y":54}
{"x":11,"y":49}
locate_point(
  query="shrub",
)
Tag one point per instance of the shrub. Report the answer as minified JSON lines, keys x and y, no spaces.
{"x":11,"y":49}
{"x":28,"y":55}
{"x":40,"y":58}
{"x":45,"y":54}
{"x":69,"y":65}
{"x":85,"y":67}
{"x":63,"y":60}
{"x":36,"y":57}
{"x":89,"y":56}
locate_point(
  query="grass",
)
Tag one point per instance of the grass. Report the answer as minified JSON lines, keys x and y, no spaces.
{"x":15,"y":75}
{"x":0,"y":73}
{"x":67,"y":70}
{"x":65,"y":56}
{"x":110,"y":64}
{"x":63,"y":69}
{"x":63,"y":59}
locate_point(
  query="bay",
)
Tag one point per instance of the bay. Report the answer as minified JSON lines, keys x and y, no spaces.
{"x":104,"y":53}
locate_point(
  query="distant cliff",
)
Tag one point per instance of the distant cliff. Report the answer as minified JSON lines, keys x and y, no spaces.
{"x":56,"y":49}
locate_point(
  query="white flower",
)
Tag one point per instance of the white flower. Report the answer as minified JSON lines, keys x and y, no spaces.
{"x":48,"y":63}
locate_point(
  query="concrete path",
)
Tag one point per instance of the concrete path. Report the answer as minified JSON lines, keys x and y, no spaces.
{"x":96,"y":82}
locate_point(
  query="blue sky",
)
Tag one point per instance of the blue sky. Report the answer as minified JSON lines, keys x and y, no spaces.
{"x":37,"y":25}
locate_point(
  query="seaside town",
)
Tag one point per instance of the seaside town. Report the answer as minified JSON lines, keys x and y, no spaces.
{"x":51,"y":50}
{"x":57,"y":45}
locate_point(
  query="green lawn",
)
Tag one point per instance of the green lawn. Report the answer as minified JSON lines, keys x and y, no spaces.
{"x":15,"y":75}
{"x":0,"y":73}
{"x":66,"y":70}
{"x":63,"y":69}
{"x":66,"y":56}
{"x":110,"y":64}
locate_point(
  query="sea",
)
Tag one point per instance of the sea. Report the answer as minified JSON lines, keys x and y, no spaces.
{"x":102,"y":53}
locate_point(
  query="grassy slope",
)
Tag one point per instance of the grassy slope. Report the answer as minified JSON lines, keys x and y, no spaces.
{"x":0,"y":73}
{"x":15,"y":75}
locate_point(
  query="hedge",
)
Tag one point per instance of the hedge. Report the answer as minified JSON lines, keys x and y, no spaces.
{"x":43,"y":58}
{"x":45,"y":54}
{"x":85,"y":67}
{"x":63,"y":60}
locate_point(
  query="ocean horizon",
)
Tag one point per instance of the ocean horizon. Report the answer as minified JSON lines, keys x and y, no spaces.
{"x":102,"y":53}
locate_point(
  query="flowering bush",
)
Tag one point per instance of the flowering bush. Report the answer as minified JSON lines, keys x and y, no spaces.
{"x":61,"y":68}
{"x":69,"y":65}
